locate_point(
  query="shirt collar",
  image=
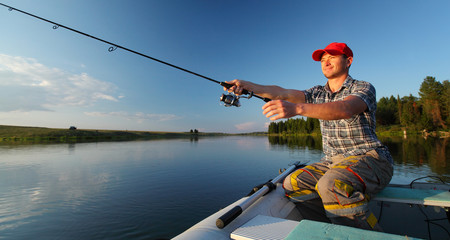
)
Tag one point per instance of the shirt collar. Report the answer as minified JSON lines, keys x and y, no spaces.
{"x":345,"y":84}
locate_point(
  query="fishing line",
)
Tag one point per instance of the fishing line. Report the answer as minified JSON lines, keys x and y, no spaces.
{"x":229,"y":100}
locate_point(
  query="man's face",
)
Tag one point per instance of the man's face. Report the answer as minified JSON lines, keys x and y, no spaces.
{"x":335,"y":66}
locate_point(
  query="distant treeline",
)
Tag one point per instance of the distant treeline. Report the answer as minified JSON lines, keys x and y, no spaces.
{"x":430,"y":111}
{"x":295,"y":126}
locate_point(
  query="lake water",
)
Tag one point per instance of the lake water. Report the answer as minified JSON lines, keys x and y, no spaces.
{"x":157,"y":189}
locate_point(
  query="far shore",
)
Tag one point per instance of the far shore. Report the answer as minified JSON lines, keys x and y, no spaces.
{"x":24,"y":134}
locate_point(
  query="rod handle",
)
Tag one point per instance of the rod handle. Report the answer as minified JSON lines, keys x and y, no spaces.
{"x":227,"y":85}
{"x":266,"y":99}
{"x":228,"y":217}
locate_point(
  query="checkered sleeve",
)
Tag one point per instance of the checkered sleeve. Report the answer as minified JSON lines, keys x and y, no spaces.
{"x":367,"y":93}
{"x":312,"y":93}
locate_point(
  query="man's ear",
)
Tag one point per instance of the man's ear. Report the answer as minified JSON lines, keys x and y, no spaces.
{"x":349,"y":61}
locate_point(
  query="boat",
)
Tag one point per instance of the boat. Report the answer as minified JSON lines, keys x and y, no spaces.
{"x":418,"y":210}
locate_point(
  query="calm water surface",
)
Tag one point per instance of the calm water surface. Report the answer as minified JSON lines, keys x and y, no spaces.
{"x":156,"y":189}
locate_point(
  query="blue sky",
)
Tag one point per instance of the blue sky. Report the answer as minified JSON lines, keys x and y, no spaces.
{"x":56,"y":78}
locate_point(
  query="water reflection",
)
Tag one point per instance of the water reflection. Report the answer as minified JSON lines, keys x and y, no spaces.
{"x":429,"y":156}
{"x":413,"y":157}
{"x":49,"y":183}
{"x":300,"y":142}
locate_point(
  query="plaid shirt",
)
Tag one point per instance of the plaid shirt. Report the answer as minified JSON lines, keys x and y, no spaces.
{"x":353,"y":136}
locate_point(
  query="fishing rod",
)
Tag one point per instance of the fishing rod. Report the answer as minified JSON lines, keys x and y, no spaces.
{"x":228,"y":99}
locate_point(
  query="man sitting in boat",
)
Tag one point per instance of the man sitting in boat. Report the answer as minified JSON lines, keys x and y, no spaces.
{"x":356,"y":164}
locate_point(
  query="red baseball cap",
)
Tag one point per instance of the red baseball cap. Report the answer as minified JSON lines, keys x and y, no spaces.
{"x":333,"y":49}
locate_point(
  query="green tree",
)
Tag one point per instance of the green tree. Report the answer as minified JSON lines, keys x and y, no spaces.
{"x":387,"y":111}
{"x":273,"y":128}
{"x":410,"y":112}
{"x":431,"y":93}
{"x":446,"y":102}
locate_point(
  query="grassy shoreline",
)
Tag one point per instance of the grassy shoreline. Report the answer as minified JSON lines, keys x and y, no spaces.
{"x":15,"y":134}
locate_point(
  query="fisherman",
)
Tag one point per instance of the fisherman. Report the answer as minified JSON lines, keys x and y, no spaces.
{"x":356,"y":165}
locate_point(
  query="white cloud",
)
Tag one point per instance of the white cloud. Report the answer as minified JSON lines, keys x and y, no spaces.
{"x":139,"y":116}
{"x":104,"y":97}
{"x":245,"y":126}
{"x":251,"y":127}
{"x":29,"y":85}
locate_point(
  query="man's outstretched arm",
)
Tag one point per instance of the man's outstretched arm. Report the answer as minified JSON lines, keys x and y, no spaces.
{"x":344,"y":109}
{"x":268,"y":91}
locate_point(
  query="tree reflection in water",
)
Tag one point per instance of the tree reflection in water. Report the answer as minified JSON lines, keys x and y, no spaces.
{"x":413,"y":157}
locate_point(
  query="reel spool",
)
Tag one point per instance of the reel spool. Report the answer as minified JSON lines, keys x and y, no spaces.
{"x":233,"y":99}
{"x":230,"y":100}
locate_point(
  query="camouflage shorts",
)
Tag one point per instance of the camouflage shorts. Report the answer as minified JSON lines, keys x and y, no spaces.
{"x":345,"y":185}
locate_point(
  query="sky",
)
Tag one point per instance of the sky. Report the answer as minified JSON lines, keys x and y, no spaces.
{"x":57,"y":78}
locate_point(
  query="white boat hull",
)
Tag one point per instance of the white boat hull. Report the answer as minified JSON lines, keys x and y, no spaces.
{"x":396,"y":217}
{"x":274,"y":204}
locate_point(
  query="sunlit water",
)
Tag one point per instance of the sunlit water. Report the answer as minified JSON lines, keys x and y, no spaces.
{"x":153,"y":189}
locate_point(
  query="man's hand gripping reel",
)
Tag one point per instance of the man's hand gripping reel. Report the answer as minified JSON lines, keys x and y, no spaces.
{"x":233,"y":99}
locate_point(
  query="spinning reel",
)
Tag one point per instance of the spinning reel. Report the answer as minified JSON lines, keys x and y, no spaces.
{"x":233,"y":99}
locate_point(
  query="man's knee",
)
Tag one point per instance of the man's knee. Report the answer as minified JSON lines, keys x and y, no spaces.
{"x":300,"y":179}
{"x":299,"y":186}
{"x":290,"y":182}
{"x":337,"y":181}
{"x":324,"y":186}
